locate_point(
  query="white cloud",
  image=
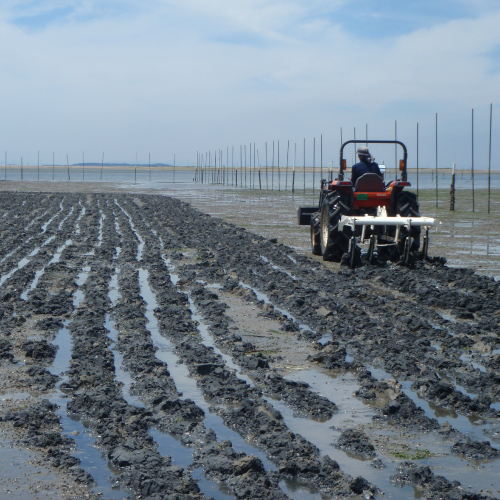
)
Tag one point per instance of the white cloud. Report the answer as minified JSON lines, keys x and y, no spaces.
{"x":172,"y":76}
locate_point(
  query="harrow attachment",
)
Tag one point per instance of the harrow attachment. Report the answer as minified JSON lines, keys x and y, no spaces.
{"x":402,"y":234}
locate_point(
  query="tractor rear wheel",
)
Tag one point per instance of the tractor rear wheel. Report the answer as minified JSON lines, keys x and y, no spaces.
{"x":407,"y":206}
{"x":315,"y":233}
{"x":334,"y":243}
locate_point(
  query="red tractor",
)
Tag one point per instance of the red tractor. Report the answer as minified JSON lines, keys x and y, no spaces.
{"x":384,"y":215}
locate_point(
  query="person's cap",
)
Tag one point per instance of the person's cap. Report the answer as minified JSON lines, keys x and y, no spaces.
{"x":363,"y":150}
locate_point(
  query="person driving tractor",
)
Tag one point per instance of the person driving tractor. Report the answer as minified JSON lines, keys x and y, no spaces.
{"x":365,"y":165}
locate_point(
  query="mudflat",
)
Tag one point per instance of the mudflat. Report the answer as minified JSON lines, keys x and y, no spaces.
{"x":150,"y":350}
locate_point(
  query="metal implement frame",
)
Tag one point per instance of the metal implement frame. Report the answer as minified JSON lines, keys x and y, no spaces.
{"x":384,"y":220}
{"x":374,"y":220}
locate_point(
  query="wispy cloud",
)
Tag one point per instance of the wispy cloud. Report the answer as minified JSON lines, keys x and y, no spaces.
{"x":123,"y":75}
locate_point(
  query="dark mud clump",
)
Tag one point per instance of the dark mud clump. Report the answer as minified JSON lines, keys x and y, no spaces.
{"x":356,"y":442}
{"x":475,"y":450}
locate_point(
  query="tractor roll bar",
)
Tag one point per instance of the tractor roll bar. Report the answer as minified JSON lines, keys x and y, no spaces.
{"x":364,"y":141}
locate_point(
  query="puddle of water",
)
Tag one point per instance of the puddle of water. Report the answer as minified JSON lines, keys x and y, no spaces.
{"x":208,"y":341}
{"x":82,"y":213}
{"x":263,"y":297}
{"x":15,"y":396}
{"x":122,"y":375}
{"x":3,"y":259}
{"x":91,"y":459}
{"x":202,"y":327}
{"x":20,"y":265}
{"x":208,"y":487}
{"x":46,"y":225}
{"x":324,"y":437}
{"x":174,"y":278}
{"x":379,"y":373}
{"x":114,"y":290}
{"x":472,"y":426}
{"x":79,"y":295}
{"x":63,"y":354}
{"x":473,"y":475}
{"x":140,"y":246}
{"x":463,"y":390}
{"x":278,"y":268}
{"x":48,"y":241}
{"x":65,"y":219}
{"x":101,"y":225}
{"x":39,"y":273}
{"x":185,"y":383}
{"x":339,"y":388}
{"x":25,"y":260}
{"x":467,"y":358}
{"x":23,"y":477}
{"x":183,"y":457}
{"x":167,"y":445}
{"x":298,"y":490}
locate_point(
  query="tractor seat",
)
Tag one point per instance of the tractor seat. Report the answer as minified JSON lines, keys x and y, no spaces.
{"x":369,"y":183}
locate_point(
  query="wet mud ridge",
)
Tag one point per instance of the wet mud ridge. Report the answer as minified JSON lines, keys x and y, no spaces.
{"x":148,"y":350}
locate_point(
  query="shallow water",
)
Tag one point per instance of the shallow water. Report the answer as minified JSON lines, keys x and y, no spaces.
{"x":141,"y":243}
{"x":264,"y":298}
{"x":91,"y":458}
{"x":186,"y":384}
{"x":40,"y":272}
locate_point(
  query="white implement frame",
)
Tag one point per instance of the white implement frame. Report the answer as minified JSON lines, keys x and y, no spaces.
{"x":382,"y":219}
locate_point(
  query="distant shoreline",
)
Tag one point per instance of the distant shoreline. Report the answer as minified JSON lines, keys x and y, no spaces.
{"x":159,"y":167}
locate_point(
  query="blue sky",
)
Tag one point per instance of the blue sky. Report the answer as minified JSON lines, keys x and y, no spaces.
{"x":174,"y":77}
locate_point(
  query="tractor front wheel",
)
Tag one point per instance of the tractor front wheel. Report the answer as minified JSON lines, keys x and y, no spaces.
{"x":316,"y":233}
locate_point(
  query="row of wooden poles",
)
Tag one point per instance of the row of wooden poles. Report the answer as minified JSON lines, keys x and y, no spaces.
{"x":274,"y":176}
{"x":211,"y":168}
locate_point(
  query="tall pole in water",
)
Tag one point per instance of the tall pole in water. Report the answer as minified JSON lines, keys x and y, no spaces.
{"x":267,"y":179}
{"x":395,"y":149}
{"x":304,"y":165}
{"x":417,"y":159}
{"x":489,"y":160}
{"x":436,"y":159}
{"x":279,"y":174}
{"x":314,"y":162}
{"x":286,"y":171}
{"x":472,"y":167}
{"x":321,"y":161}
